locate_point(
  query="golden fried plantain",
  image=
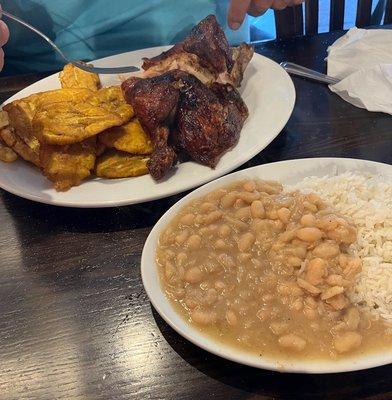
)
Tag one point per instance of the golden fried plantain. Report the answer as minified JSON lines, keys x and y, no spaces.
{"x":130,"y":138}
{"x":67,"y":166}
{"x":67,"y":123}
{"x":4,"y":120}
{"x":71,"y":95}
{"x":21,"y":112}
{"x":19,"y":146}
{"x":74,"y":77}
{"x":117,"y":164}
{"x":7,"y":154}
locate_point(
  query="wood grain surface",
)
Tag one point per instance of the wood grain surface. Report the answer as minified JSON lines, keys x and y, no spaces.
{"x":75,"y":321}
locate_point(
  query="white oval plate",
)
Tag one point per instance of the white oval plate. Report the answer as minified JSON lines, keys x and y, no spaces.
{"x":267,"y":90}
{"x":286,"y":172}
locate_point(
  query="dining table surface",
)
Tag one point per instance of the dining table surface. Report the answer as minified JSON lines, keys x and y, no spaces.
{"x":75,"y":321}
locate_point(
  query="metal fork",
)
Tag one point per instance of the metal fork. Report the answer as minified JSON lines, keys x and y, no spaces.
{"x":299,"y":70}
{"x":81,"y":65}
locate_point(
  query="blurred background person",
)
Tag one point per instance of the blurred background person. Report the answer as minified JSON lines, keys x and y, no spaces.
{"x":87,"y":30}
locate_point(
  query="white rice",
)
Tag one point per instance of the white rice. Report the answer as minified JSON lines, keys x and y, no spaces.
{"x":367,"y":200}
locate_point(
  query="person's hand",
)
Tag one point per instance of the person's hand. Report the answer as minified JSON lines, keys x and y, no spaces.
{"x":4,"y":34}
{"x":239,"y":8}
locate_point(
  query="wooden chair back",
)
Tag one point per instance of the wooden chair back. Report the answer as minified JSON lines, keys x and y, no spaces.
{"x":290,"y":21}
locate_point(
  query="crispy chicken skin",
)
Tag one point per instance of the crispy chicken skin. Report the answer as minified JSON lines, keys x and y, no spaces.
{"x":177,"y":108}
{"x":207,"y":41}
{"x":208,"y":120}
{"x":204,"y":53}
{"x":153,"y":101}
{"x":164,"y":156}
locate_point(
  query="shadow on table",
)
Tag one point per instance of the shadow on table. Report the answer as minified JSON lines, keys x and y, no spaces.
{"x":71,"y":249}
{"x":349,"y":385}
{"x":30,"y":216}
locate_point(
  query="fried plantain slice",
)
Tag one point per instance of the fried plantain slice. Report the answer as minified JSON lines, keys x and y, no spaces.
{"x":20,"y":115}
{"x":74,"y":77}
{"x":130,"y":138}
{"x":116,"y":164}
{"x":67,"y":123}
{"x":7,"y":154}
{"x":19,"y":146}
{"x":4,"y":120}
{"x":67,"y":166}
{"x":21,"y":112}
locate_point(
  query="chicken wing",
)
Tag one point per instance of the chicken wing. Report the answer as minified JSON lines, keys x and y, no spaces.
{"x":153,"y":101}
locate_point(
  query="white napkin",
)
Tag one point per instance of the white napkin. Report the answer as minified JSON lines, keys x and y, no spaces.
{"x":363,"y":60}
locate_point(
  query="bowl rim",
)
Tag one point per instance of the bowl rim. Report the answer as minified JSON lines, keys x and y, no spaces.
{"x":151,"y":281}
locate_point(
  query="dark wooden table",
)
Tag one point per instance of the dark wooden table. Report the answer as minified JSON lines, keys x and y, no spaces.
{"x":75,"y":322}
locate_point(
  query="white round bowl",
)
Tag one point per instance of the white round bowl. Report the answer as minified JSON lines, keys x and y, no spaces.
{"x":287,"y":172}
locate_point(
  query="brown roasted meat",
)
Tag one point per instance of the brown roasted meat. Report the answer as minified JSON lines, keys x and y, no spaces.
{"x":163,"y":156}
{"x":208,"y":120}
{"x":153,"y":100}
{"x":207,"y":41}
{"x":204,"y":53}
{"x":180,"y":112}
{"x":241,"y":57}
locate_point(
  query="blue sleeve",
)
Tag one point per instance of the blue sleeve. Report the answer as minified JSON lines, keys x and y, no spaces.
{"x":88,"y":30}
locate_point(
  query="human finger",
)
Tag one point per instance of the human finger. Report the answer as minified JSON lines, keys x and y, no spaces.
{"x":1,"y":59}
{"x":4,"y":33}
{"x":259,"y":7}
{"x":237,"y":12}
{"x":279,"y":5}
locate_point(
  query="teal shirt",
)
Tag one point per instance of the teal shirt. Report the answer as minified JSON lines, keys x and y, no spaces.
{"x":91,"y":29}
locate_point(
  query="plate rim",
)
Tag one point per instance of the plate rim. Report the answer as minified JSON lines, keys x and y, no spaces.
{"x":253,"y":151}
{"x":190,"y":333}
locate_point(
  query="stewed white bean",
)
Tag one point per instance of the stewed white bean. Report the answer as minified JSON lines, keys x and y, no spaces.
{"x":246,"y":241}
{"x":250,"y":256}
{"x":194,"y":242}
{"x":292,"y":342}
{"x":257,"y":209}
{"x":193,"y":275}
{"x":309,"y":234}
